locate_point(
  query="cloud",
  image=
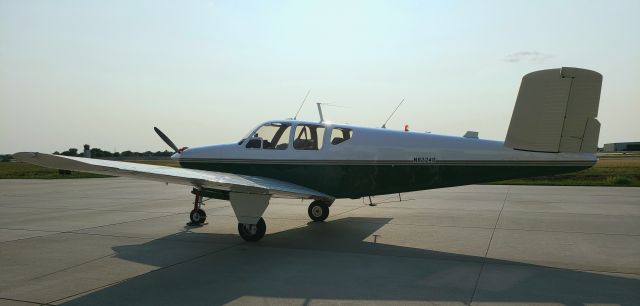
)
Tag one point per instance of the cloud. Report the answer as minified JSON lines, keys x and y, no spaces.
{"x":527,"y":56}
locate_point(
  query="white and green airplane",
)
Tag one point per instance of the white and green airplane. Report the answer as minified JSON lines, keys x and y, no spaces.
{"x":553,"y":130}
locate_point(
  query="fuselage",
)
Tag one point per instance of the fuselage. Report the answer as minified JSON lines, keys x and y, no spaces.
{"x":347,"y":161}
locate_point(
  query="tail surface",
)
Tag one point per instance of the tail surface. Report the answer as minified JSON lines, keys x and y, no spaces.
{"x":556,"y":111}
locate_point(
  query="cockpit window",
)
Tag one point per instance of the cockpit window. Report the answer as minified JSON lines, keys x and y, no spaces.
{"x":271,"y":136}
{"x":308,"y":137}
{"x":340,"y":135}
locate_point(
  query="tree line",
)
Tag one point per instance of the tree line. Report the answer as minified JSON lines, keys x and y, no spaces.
{"x":97,"y":152}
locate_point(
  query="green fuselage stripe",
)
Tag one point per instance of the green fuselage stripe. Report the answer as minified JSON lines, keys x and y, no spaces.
{"x":354,"y":179}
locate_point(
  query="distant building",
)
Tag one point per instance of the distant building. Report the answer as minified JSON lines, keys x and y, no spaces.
{"x":87,"y":151}
{"x":621,"y":147}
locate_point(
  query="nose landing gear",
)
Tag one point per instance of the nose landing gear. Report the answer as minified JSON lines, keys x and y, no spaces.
{"x":197,"y":215}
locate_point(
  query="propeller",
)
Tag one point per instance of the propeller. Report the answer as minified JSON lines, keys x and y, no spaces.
{"x":168,"y":141}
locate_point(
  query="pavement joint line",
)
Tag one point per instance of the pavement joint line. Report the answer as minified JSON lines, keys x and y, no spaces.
{"x":72,"y":266}
{"x":26,"y":238}
{"x":582,"y":194}
{"x":508,"y":202}
{"x":89,"y":209}
{"x":93,"y":227}
{"x":23,"y":301}
{"x":570,"y":213}
{"x":28,"y":230}
{"x":114,"y":236}
{"x":143,"y":238}
{"x":539,"y":266}
{"x":99,"y":209}
{"x":47,"y":197}
{"x":123,"y":222}
{"x":419,"y":225}
{"x":433,"y":208}
{"x":598,"y":271}
{"x":479,"y":261}
{"x":90,"y":290}
{"x":152,"y":271}
{"x":486,"y":253}
{"x":564,"y":232}
{"x":573,"y":213}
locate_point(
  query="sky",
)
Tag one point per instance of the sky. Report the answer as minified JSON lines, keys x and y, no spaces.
{"x":105,"y":73}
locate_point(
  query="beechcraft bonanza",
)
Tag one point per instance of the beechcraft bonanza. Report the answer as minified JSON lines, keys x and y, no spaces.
{"x":553,"y":130}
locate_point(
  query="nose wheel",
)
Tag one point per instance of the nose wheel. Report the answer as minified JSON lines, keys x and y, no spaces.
{"x":318,"y":211}
{"x":197,"y":216}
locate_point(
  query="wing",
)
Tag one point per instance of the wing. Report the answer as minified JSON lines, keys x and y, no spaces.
{"x":198,"y":178}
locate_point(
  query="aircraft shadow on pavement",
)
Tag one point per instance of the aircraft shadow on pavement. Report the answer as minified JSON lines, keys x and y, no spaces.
{"x":337,"y":260}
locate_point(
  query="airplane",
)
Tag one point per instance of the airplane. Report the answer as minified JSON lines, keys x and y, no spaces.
{"x":553,"y":130}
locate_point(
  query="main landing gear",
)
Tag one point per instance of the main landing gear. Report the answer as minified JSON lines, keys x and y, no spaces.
{"x":318,"y":210}
{"x":252,"y":232}
{"x":248,"y":209}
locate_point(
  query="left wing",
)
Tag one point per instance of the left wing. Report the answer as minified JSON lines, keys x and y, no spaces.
{"x":197,"y":178}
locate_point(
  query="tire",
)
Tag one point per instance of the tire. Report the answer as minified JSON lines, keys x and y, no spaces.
{"x":251,"y":232}
{"x":318,"y":211}
{"x":197,"y":216}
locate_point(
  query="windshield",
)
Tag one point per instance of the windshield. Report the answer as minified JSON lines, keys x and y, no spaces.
{"x":270,"y":136}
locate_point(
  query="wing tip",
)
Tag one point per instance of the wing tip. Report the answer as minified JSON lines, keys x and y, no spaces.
{"x":24,"y":156}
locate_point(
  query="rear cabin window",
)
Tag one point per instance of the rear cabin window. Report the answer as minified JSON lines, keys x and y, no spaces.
{"x":308,"y":137}
{"x":340,"y":135}
{"x":271,"y":136}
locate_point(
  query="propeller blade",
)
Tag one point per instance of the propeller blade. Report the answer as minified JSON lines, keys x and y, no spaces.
{"x":166,"y":139}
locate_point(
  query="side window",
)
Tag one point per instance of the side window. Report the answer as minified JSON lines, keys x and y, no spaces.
{"x":272,"y":136}
{"x":308,"y":137}
{"x":340,"y":135}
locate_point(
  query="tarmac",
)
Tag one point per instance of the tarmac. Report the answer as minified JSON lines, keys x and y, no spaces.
{"x":120,"y":241}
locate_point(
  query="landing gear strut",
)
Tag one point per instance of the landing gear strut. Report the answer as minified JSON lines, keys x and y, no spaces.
{"x":197,"y":215}
{"x":318,"y":210}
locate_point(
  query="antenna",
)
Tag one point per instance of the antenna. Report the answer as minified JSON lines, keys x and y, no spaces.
{"x":319,"y":104}
{"x":303,"y":101}
{"x":320,"y":111}
{"x":384,"y":126}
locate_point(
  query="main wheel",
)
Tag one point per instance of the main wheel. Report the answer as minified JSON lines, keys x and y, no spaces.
{"x":252,"y":232}
{"x":318,"y":211}
{"x":197,"y":216}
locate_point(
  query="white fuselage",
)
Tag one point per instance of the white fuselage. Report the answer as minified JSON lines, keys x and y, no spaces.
{"x":384,"y":145}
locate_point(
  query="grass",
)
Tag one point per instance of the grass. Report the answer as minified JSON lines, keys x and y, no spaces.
{"x":607,"y":172}
{"x":28,"y":171}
